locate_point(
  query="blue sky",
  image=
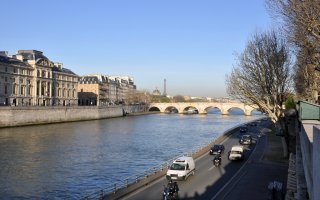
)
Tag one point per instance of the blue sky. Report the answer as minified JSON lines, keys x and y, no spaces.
{"x":190,"y":43}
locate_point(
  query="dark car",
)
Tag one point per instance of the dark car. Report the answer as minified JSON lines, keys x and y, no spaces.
{"x":245,"y":139}
{"x":243,"y":129}
{"x":217,"y":149}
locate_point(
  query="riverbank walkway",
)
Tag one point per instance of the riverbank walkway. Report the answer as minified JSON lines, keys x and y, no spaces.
{"x":266,"y":166}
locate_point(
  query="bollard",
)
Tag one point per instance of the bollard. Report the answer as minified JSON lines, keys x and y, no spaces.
{"x":270,"y":191}
{"x":275,"y":190}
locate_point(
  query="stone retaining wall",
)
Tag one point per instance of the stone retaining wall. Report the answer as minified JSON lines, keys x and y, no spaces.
{"x":21,"y":116}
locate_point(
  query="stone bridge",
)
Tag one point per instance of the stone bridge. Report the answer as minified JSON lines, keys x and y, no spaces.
{"x":202,"y":107}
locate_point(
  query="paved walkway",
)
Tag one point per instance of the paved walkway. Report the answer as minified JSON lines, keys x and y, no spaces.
{"x":264,"y":166}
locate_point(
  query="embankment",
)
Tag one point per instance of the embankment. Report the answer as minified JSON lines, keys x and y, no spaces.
{"x":22,"y":116}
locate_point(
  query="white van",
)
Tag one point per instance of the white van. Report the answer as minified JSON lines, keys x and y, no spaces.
{"x":236,"y":153}
{"x":181,"y":168}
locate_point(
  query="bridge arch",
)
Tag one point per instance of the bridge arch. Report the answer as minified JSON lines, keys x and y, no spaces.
{"x":171,"y":109}
{"x":216,"y":108}
{"x":190,"y":110}
{"x":202,"y":107}
{"x":154,"y":108}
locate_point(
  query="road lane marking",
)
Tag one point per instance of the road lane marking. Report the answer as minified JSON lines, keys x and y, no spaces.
{"x":234,"y":184}
{"x":235,"y":175}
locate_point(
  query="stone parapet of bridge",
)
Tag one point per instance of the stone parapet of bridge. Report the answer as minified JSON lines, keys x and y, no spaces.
{"x":202,"y":107}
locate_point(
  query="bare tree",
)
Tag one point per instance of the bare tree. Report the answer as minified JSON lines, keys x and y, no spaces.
{"x":302,"y":26}
{"x":262,"y":75}
{"x":179,"y":98}
{"x":306,"y":80}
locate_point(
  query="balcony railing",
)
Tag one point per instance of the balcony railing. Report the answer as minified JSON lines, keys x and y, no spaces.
{"x":308,"y":111}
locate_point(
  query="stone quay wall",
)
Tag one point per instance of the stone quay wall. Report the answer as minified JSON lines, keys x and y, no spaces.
{"x":22,"y":116}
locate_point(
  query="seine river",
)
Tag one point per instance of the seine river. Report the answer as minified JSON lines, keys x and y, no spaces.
{"x":71,"y":160}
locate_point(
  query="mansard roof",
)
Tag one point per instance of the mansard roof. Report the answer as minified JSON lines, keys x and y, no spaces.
{"x":89,"y":79}
{"x":31,"y":54}
{"x":13,"y":61}
{"x":63,"y":70}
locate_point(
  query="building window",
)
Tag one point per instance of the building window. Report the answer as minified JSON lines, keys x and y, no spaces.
{"x":6,"y":79}
{"x":6,"y":69}
{"x":38,"y":73}
{"x":21,"y":90}
{"x":38,"y":87}
{"x":15,"y":70}
{"x":5,"y":89}
{"x":42,"y":89}
{"x":29,"y":90}
{"x":14,"y":89}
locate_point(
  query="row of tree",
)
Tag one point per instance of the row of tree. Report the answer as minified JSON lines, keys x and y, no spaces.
{"x":278,"y":63}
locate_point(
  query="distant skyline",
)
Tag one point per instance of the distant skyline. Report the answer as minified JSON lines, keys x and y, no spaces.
{"x":191,"y":44}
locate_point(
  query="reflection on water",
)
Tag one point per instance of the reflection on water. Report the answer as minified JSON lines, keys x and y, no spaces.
{"x":70,"y":160}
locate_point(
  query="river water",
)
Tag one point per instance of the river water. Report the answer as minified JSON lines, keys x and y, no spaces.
{"x":71,"y":160}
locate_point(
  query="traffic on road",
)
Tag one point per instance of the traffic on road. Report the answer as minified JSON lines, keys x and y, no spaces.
{"x":212,"y":172}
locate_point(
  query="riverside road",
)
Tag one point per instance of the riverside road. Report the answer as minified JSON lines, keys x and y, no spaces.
{"x":210,"y":182}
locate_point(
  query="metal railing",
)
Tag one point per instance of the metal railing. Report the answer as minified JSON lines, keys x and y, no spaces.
{"x":120,"y":184}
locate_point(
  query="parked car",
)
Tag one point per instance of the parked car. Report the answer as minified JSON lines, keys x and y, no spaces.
{"x":245,"y":139}
{"x":243,"y":129}
{"x":236,"y":153}
{"x":217,"y":149}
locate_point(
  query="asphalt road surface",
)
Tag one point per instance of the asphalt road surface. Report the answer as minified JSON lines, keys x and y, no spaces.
{"x":209,"y":182}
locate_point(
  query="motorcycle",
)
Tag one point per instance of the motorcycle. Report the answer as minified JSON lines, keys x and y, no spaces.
{"x":217,"y":161}
{"x":169,"y":193}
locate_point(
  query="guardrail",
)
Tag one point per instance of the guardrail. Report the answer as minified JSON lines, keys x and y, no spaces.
{"x":121,"y":184}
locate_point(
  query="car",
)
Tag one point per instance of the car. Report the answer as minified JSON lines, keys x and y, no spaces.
{"x":217,"y":149}
{"x":245,"y":139}
{"x":236,"y":153}
{"x":243,"y":129}
{"x":181,"y":168}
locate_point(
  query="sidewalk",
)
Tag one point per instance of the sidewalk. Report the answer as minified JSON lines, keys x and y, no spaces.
{"x":265,"y":165}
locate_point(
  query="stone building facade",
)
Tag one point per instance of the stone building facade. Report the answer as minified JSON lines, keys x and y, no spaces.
{"x":30,"y":79}
{"x":102,"y":90}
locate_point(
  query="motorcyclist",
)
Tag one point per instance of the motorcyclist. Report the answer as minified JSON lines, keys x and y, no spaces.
{"x":170,"y":184}
{"x":217,"y":160}
{"x":173,"y":189}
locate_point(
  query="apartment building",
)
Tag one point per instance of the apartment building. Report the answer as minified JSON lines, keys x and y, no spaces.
{"x":98,"y":89}
{"x":30,"y":79}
